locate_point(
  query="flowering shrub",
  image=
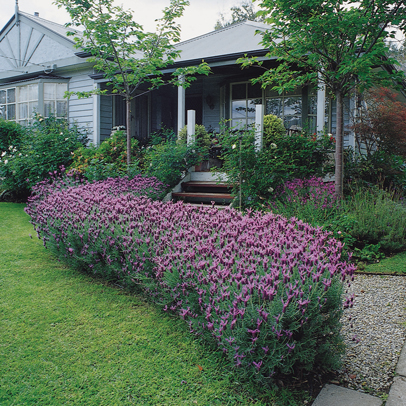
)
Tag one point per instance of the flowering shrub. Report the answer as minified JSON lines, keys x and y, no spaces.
{"x":258,"y":173}
{"x":10,"y":134}
{"x":266,"y":289}
{"x":108,"y":160}
{"x":46,"y":146}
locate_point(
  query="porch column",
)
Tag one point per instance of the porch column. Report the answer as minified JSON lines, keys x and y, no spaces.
{"x":321,"y":108}
{"x":259,"y":127}
{"x":96,"y":117}
{"x":181,"y":106}
{"x":191,"y":125}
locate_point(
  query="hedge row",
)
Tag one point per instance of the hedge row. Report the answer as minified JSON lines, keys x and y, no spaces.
{"x":268,"y":290}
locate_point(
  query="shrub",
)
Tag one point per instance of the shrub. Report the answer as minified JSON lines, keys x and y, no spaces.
{"x":107,"y":160}
{"x":202,"y":137}
{"x":310,"y":200}
{"x":381,"y":123}
{"x":10,"y":134}
{"x":258,"y":174}
{"x":375,"y":216}
{"x":379,"y":168}
{"x":265,"y":289}
{"x":273,"y":129}
{"x":169,"y":161}
{"x":46,"y":146}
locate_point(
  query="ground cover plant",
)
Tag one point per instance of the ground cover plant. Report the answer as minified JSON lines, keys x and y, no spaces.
{"x":69,"y":339}
{"x":266,"y":290}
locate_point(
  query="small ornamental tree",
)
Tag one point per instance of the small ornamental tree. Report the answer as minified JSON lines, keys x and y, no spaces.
{"x":126,"y":54}
{"x":381,"y":123}
{"x":336,"y":44}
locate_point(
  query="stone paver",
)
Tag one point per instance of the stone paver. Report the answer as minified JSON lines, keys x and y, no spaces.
{"x":397,"y":393}
{"x":401,"y":367}
{"x":333,"y":395}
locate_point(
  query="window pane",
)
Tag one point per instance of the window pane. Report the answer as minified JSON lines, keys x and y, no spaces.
{"x":61,"y":109}
{"x":292,"y":106}
{"x":252,"y":107}
{"x":61,"y":88}
{"x":32,"y":108}
{"x":312,"y":105}
{"x":23,"y":94}
{"x":292,"y":122}
{"x":238,"y":109}
{"x":48,"y":108}
{"x":23,"y":110}
{"x":33,"y":92}
{"x":254,"y":91}
{"x":2,"y":96}
{"x":238,"y":124}
{"x":11,"y":95}
{"x":49,"y":91}
{"x":273,"y":106}
{"x":11,"y":112}
{"x":239,"y":91}
{"x":3,"y":111}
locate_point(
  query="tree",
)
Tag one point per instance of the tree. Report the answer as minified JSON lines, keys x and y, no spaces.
{"x":128,"y":56}
{"x":333,"y":43}
{"x":244,"y":12}
{"x":381,"y":123}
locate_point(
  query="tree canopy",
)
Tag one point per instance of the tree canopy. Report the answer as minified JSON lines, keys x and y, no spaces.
{"x":244,"y":12}
{"x":127,"y":55}
{"x":337,"y":44}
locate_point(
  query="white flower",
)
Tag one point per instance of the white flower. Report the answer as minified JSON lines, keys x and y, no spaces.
{"x":66,"y":139}
{"x":4,"y":153}
{"x":270,"y":190}
{"x":5,"y":162}
{"x":15,"y":150}
{"x":61,"y":134}
{"x":234,"y":146}
{"x":10,"y":147}
{"x":20,"y":154}
{"x":273,"y":146}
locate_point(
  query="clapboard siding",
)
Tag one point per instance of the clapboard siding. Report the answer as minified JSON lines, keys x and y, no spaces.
{"x":81,"y":110}
{"x":106,"y":116}
{"x":211,"y":92}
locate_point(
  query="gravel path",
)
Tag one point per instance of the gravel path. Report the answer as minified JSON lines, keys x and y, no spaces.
{"x":377,"y":322}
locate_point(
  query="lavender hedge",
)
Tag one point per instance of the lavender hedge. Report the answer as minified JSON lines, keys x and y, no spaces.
{"x":265,"y":289}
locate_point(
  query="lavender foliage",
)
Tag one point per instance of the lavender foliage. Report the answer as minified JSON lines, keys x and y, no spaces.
{"x":267,"y":290}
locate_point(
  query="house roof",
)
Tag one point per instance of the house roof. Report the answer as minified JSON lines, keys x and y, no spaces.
{"x":235,"y":39}
{"x":50,"y":25}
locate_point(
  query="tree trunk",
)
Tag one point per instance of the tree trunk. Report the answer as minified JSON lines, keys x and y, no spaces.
{"x":128,"y":125}
{"x":339,"y":157}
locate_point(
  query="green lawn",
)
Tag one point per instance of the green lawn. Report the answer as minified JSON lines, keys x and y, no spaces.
{"x":67,"y":339}
{"x":395,"y":264}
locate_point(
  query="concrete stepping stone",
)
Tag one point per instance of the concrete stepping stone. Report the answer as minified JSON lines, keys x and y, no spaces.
{"x":397,"y":393}
{"x":333,"y":395}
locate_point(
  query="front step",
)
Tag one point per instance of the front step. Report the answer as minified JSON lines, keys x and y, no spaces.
{"x":204,"y":192}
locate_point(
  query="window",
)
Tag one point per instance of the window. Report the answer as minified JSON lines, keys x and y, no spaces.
{"x":21,"y":102}
{"x":8,"y":104}
{"x":54,"y":103}
{"x":244,"y":98}
{"x":288,"y":107}
{"x":27,"y":103}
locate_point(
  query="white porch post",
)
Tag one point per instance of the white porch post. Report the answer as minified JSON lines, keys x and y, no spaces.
{"x":181,"y":106}
{"x":259,"y":127}
{"x":96,"y":117}
{"x":321,"y":108}
{"x":191,"y":124}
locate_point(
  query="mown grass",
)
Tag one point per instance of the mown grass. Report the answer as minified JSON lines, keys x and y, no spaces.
{"x":395,"y":265}
{"x":68,"y":339}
